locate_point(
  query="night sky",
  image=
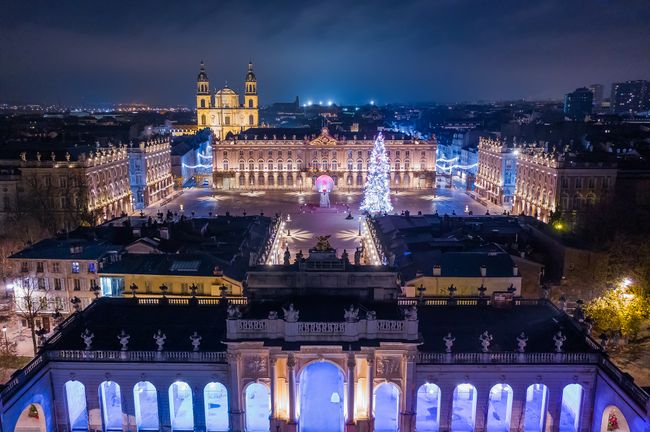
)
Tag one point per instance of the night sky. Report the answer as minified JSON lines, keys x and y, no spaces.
{"x":348,"y":51}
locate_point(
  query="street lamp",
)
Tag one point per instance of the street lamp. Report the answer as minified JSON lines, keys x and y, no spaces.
{"x":288,"y":229}
{"x":359,"y":227}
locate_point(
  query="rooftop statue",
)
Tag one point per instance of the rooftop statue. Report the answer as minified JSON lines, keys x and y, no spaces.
{"x":290,"y":314}
{"x":323,"y":244}
{"x":196,"y":341}
{"x":123,"y":337}
{"x":486,"y":340}
{"x":559,"y":339}
{"x":351,"y":314}
{"x":88,"y":336}
{"x":449,"y":342}
{"x":160,"y":339}
{"x":522,"y":340}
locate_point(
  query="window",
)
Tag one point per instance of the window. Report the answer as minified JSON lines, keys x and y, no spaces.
{"x":250,"y":105}
{"x":39,"y":267}
{"x":57,"y":284}
{"x":592,"y":182}
{"x":56,"y":268}
{"x":75,"y":267}
{"x":76,"y":284}
{"x":203,"y":119}
{"x":578,"y":182}
{"x":92,"y":267}
{"x":24,"y":267}
{"x":75,"y":397}
{"x":605,"y":182}
{"x":251,"y":119}
{"x":226,"y":120}
{"x":202,"y":103}
{"x":565,"y":183}
{"x":41,"y":283}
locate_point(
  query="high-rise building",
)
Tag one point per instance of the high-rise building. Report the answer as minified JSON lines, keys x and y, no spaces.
{"x":630,"y":96}
{"x":597,"y":90}
{"x":578,"y":104}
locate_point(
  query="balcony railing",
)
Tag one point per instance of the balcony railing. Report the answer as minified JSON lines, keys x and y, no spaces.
{"x":138,"y":356}
{"x":508,"y":358}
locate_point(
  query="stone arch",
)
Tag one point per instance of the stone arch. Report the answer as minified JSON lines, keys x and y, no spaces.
{"x":257,"y":407}
{"x":387,"y":398}
{"x":321,"y":397}
{"x":76,"y":405}
{"x":110,"y":401}
{"x":215,"y":400}
{"x":612,"y":413}
{"x":181,"y":406}
{"x":427,"y":412}
{"x":536,"y":407}
{"x":31,"y":419}
{"x":571,"y":408}
{"x":145,"y":399}
{"x":499,"y":408}
{"x":464,"y":407}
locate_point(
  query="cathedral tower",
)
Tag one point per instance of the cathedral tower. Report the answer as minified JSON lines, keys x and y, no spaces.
{"x":203,"y":100}
{"x":250,"y":93}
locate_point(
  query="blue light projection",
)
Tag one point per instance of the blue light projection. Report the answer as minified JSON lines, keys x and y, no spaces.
{"x":75,"y":394}
{"x":258,"y":408}
{"x":110,"y":399}
{"x":464,"y":408}
{"x":146,"y":406}
{"x":427,"y":416}
{"x":215,"y":398}
{"x":180,"y":406}
{"x":386,"y":407}
{"x":321,"y":398}
{"x":570,"y":414}
{"x":536,"y":399}
{"x":499,"y":408}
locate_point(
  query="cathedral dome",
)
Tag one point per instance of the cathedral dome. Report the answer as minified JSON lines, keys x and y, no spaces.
{"x":226,"y":91}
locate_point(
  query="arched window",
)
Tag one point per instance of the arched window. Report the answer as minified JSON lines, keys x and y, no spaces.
{"x":397,"y":165}
{"x":535,"y":413}
{"x":464,"y":408}
{"x":146,"y":406}
{"x":225,"y":165}
{"x":215,"y":398}
{"x":280,"y":165}
{"x":289,"y":165}
{"x":289,"y":179}
{"x":499,"y":408}
{"x":280,"y":180}
{"x":75,"y":397}
{"x":250,"y":105}
{"x":386,"y":407}
{"x":260,"y":165}
{"x":427,"y":417}
{"x":180,"y":406}
{"x":359,"y":165}
{"x":325,"y":165}
{"x":203,"y":119}
{"x":270,"y":165}
{"x":257,"y":408}
{"x":251,"y":165}
{"x":241,"y":165}
{"x":110,"y":401}
{"x":349,"y":165}
{"x":226,"y":120}
{"x":242,"y":180}
{"x":335,"y":165}
{"x":570,"y":413}
{"x":202,"y":103}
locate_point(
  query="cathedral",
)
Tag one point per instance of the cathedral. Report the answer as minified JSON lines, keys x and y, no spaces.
{"x":223,"y":112}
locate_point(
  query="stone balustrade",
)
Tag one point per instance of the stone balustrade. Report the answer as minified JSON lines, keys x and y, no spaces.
{"x":241,"y":329}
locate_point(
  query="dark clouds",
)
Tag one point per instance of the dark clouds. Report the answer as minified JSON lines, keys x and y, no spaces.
{"x":346,"y":50}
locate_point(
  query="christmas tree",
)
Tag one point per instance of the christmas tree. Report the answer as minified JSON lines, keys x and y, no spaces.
{"x":612,"y":422}
{"x":376,"y":194}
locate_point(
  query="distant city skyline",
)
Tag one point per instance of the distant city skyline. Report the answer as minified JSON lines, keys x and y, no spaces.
{"x":390,"y":52}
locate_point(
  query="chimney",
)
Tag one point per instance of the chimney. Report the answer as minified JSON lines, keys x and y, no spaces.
{"x":483,"y":270}
{"x":437,"y":271}
{"x":515,"y":270}
{"x":164,"y":233}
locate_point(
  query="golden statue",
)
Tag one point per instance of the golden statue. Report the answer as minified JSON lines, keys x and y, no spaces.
{"x":323,"y":243}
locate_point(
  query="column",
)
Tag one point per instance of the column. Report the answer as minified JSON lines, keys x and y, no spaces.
{"x":446,"y":402}
{"x":554,"y":408}
{"x":482,"y":401}
{"x":272,"y":363}
{"x":291,"y":363}
{"x":407,"y":416}
{"x":234,"y":392}
{"x":518,"y":406}
{"x":349,"y":425}
{"x":586,"y":413}
{"x":198,"y":402}
{"x":371,"y":389}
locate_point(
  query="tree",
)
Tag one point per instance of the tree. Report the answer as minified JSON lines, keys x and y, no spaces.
{"x":376,"y":194}
{"x":29,"y":304}
{"x":623,"y":309}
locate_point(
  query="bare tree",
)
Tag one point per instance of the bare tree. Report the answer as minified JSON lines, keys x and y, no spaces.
{"x":30,"y":302}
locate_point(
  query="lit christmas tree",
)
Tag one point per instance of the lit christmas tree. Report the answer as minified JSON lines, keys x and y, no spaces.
{"x":376,"y":194}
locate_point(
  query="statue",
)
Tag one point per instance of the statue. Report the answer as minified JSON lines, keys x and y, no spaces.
{"x":371,"y":315}
{"x":87,"y":336}
{"x":345,"y":257}
{"x":449,"y":342}
{"x":411,"y":313}
{"x":291,"y":315}
{"x":124,"y":339}
{"x":287,"y":256}
{"x":559,"y":339}
{"x":67,"y":156}
{"x":38,"y":156}
{"x":196,"y":341}
{"x":233,"y":312}
{"x":23,"y":156}
{"x":323,"y":244}
{"x":486,"y":339}
{"x":357,"y":257}
{"x":273,"y":315}
{"x":160,"y":337}
{"x":53,"y":156}
{"x":299,"y":256}
{"x":522,"y":340}
{"x":351,"y":314}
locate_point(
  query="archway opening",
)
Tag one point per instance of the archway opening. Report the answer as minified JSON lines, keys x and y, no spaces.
{"x":110,"y":400}
{"x":32,"y":419}
{"x":536,"y":402}
{"x":181,"y":407}
{"x":427,"y":417}
{"x":145,"y":399}
{"x":321,"y":398}
{"x":75,"y":395}
{"x":570,"y":413}
{"x":258,"y":408}
{"x":386,"y":407}
{"x":499,"y":408}
{"x":215,"y":398}
{"x":613,"y":420}
{"x":464,"y":408}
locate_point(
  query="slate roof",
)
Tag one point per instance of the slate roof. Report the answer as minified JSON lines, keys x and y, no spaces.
{"x":163,"y":264}
{"x":313,"y":133}
{"x":62,"y":249}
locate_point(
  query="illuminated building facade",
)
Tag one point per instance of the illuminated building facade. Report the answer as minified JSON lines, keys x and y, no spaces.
{"x":497,"y":172}
{"x":549,"y":182}
{"x":223,"y":112}
{"x":630,"y":97}
{"x":150,"y":171}
{"x":294,"y":158}
{"x":346,"y":358}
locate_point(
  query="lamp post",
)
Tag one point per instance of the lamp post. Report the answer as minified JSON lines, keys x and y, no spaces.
{"x":359,"y":234}
{"x":288,"y":229}
{"x":4,"y":334}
